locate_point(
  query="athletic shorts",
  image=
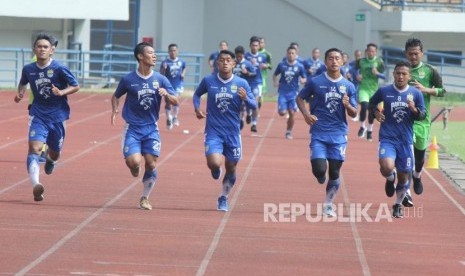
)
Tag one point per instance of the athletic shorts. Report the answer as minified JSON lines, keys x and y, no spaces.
{"x":400,"y":152}
{"x":328,"y":146}
{"x":365,"y":95}
{"x":53,"y":134}
{"x":141,"y":139}
{"x":286,"y":101}
{"x":421,"y":134}
{"x":230,"y":146}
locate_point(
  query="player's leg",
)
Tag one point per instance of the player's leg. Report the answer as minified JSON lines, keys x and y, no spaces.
{"x":256,"y":113}
{"x":175,"y":108}
{"x":55,"y":141}
{"x":421,"y":133}
{"x":214,"y":154}
{"x":387,"y":156}
{"x":291,"y":109}
{"x":404,"y":166}
{"x":232,"y":153}
{"x":169,"y":117}
{"x":38,"y":132}
{"x":132,"y":149}
{"x":318,"y":161}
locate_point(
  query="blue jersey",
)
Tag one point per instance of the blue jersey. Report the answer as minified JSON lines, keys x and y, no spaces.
{"x":213,"y":57}
{"x":327,"y":105}
{"x":173,"y":73}
{"x":223,"y":103}
{"x":398,"y":123}
{"x":46,"y":105}
{"x":289,"y":79}
{"x":248,"y":66}
{"x":256,"y":60}
{"x":354,"y":72}
{"x":142,"y":103}
{"x":314,"y":65}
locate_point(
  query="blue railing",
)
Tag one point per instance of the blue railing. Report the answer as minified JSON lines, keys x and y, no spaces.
{"x":94,"y":69}
{"x":434,"y":5}
{"x":452,"y":74}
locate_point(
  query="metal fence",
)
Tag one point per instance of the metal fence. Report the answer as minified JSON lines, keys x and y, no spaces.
{"x":431,"y":5}
{"x":94,"y":69}
{"x":453,"y":74}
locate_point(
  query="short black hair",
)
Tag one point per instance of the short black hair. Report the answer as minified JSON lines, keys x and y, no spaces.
{"x":172,"y":45}
{"x":413,"y":42}
{"x":53,"y":41}
{"x":239,"y":50}
{"x":139,"y":49}
{"x":332,"y":50}
{"x":372,"y":45}
{"x":402,"y":63}
{"x":227,"y":52}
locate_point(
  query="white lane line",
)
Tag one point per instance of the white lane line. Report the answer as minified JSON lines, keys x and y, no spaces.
{"x":358,"y":241}
{"x":94,"y":215}
{"x":219,"y":231}
{"x":452,"y":199}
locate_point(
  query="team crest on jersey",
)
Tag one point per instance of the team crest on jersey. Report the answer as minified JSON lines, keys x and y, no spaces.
{"x":343,"y":89}
{"x":50,"y":73}
{"x":410,"y":97}
{"x":234,"y":88}
{"x":382,"y":151}
{"x":421,"y":73}
{"x":32,"y":133}
{"x":155,"y":84}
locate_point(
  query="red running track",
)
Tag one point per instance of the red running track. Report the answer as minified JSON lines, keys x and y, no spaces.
{"x":90,"y":224}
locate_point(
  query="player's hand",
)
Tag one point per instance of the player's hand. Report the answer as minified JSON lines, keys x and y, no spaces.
{"x":310,"y":119}
{"x":162,"y":91}
{"x":18,"y":98}
{"x":379,"y":116}
{"x":345,"y":100}
{"x":56,"y":91}
{"x":411,"y":106}
{"x":200,"y":114}
{"x":242,"y":93}
{"x":113,"y":118}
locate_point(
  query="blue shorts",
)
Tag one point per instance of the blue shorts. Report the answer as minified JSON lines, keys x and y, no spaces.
{"x":53,"y":134}
{"x":328,"y":146}
{"x":230,"y":146}
{"x":286,"y":101}
{"x":256,"y":90}
{"x":401,"y":153}
{"x":141,"y":139}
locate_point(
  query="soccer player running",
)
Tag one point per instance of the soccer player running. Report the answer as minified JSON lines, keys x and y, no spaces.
{"x":225,"y":95}
{"x":333,"y":98}
{"x":402,"y":105}
{"x":174,"y":69}
{"x":289,"y":72}
{"x":51,"y":83}
{"x":269,"y":66}
{"x":144,"y":90}
{"x":214,"y":56}
{"x":258,"y":60}
{"x":245,"y":70}
{"x":426,"y":79}
{"x":371,"y":68}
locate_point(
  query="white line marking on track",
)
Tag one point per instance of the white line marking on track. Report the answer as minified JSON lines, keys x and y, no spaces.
{"x":358,"y":241}
{"x":455,"y":202}
{"x":219,"y":231}
{"x":94,"y":215}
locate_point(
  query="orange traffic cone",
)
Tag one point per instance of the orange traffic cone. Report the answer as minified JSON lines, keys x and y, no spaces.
{"x":433,"y":160}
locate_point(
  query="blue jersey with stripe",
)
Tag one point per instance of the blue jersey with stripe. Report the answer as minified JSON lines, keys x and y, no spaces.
{"x":223,"y":103}
{"x":173,"y":71}
{"x":289,"y":76}
{"x":398,"y":123}
{"x":142,"y":104}
{"x":46,"y":105}
{"x":327,"y":105}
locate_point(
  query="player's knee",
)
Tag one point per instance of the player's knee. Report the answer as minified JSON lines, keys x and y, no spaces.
{"x":318,"y":167}
{"x":334,"y":169}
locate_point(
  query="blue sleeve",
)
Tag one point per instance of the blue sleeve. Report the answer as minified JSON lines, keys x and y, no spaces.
{"x":201,"y":89}
{"x":23,"y":79}
{"x":68,"y":77}
{"x":375,"y":100}
{"x":305,"y":92}
{"x":353,"y":96}
{"x":167,"y":85}
{"x":121,"y":89}
{"x":278,"y":70}
{"x":250,"y":102}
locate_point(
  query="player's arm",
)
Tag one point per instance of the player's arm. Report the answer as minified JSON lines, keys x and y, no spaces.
{"x":417,"y":107}
{"x":310,"y":119}
{"x":201,"y":89}
{"x":114,"y":108}
{"x":21,"y":91}
{"x":373,"y":106}
{"x":67,"y":91}
{"x":350,"y":104}
{"x":183,"y":73}
{"x":248,"y":97}
{"x":439,"y":90}
{"x":172,"y":99}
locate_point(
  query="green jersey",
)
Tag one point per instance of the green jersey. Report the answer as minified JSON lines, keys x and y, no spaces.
{"x":369,"y":81}
{"x":429,"y":77}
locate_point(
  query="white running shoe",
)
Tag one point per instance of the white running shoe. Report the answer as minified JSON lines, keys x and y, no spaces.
{"x":328,"y":210}
{"x":144,"y":204}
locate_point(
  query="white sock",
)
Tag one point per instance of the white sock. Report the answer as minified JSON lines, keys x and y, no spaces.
{"x":400,"y":194}
{"x":149,"y":184}
{"x":370,"y":127}
{"x":34,"y":171}
{"x":364,"y":125}
{"x":168,"y":113}
{"x":175,"y":109}
{"x":330,"y":195}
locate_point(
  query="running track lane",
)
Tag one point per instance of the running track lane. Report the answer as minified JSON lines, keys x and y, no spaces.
{"x":89,"y":222}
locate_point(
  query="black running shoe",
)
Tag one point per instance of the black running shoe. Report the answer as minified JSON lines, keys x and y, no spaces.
{"x":389,"y":187}
{"x":417,"y":185}
{"x":38,"y":192}
{"x":49,"y":166}
{"x":370,"y":136}
{"x":407,"y":201}
{"x":253,"y":128}
{"x":397,"y":211}
{"x":242,"y":124}
{"x":248,"y":119}
{"x":361,"y":132}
